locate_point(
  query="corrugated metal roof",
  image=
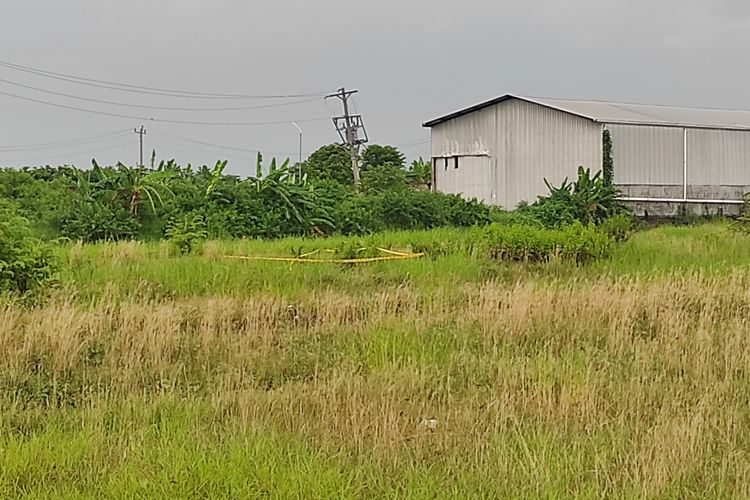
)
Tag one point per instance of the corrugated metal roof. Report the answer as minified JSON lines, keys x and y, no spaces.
{"x":629,"y":114}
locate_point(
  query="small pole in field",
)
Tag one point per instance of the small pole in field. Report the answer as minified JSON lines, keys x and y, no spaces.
{"x":141,"y":132}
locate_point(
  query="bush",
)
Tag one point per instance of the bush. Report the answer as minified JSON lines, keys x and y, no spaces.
{"x":589,"y":200}
{"x":462,"y":213}
{"x":384,"y":178}
{"x":534,"y":244}
{"x":410,"y":209}
{"x":618,"y":227}
{"x":522,"y":215}
{"x":357,"y":215}
{"x":26,"y":264}
{"x":186,"y":232}
{"x":95,"y":221}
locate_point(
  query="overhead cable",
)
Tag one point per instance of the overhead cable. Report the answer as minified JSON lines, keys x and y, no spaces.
{"x":141,"y":89}
{"x":141,"y":118}
{"x":114,"y":146}
{"x":163,"y":108}
{"x":66,"y":143}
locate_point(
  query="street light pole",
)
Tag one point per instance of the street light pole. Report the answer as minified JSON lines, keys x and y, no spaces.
{"x":299,"y":164}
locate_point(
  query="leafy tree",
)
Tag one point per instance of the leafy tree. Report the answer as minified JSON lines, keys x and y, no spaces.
{"x":137,"y":185}
{"x":296,"y":202}
{"x":331,"y":162}
{"x":376,"y":155}
{"x":384,"y":178}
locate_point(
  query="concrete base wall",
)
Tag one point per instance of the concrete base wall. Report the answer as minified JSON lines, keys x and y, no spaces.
{"x":672,"y":210}
{"x":675,"y":191}
{"x":650,"y":191}
{"x":662,"y":209}
{"x":717,"y":192}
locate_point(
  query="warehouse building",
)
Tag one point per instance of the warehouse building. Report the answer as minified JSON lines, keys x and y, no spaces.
{"x":665,"y":157}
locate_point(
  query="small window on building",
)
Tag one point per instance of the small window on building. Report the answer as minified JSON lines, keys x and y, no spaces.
{"x":446,"y":163}
{"x":455,"y":162}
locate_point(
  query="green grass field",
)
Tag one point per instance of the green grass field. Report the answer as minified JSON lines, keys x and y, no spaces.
{"x":150,"y":375}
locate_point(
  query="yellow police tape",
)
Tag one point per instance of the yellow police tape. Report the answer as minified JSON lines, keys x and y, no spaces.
{"x":304,"y":258}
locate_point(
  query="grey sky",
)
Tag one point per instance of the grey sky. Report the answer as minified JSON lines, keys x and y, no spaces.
{"x":411,"y":59}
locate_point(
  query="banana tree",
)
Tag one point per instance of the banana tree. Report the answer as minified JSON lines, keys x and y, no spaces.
{"x":137,"y":186}
{"x":298,"y":200}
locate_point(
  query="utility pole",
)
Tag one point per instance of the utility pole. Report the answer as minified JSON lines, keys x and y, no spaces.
{"x":141,"y":132}
{"x":299,"y":164}
{"x":348,"y":127}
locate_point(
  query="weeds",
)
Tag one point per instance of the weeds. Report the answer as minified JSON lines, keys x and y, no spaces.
{"x":450,"y":376}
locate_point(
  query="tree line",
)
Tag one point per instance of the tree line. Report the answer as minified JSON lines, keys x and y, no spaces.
{"x":168,"y":200}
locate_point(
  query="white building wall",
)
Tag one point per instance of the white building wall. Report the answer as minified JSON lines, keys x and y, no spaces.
{"x":505,"y":151}
{"x":467,"y":142}
{"x":471,"y":134}
{"x":648,"y":160}
{"x":537,"y":143}
{"x":718,"y":157}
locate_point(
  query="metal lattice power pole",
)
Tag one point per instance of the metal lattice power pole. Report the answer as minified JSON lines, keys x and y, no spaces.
{"x":349,"y":126}
{"x":141,"y":132}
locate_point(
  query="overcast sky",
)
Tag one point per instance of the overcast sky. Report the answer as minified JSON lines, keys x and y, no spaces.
{"x":411,"y":60}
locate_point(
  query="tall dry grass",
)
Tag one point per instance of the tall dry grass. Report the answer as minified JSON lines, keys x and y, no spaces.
{"x":627,"y":385}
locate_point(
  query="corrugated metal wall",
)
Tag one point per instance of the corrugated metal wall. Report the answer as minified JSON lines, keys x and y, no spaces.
{"x":537,"y":143}
{"x":645,"y":155}
{"x":472,"y":134}
{"x":718,"y":157}
{"x":649,"y":162}
{"x":470,"y":138}
{"x":506,"y":151}
{"x":469,"y":176}
{"x":513,"y":146}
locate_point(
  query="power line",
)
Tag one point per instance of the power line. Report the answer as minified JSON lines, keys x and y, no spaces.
{"x":178,"y":138}
{"x":140,"y":89}
{"x":182,"y":145}
{"x":141,"y":118}
{"x":119,"y":145}
{"x":163,"y":108}
{"x":65,"y":143}
{"x":172,"y":138}
{"x":412,"y":144}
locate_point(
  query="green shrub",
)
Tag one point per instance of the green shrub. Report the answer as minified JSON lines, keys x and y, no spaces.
{"x":410,"y":209}
{"x":522,"y":215}
{"x":384,"y":178}
{"x":524,"y":243}
{"x":618,"y":227}
{"x":462,"y":213}
{"x":26,"y":264}
{"x":357,"y":215}
{"x":588,"y":200}
{"x":186,"y":231}
{"x":96,"y":221}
